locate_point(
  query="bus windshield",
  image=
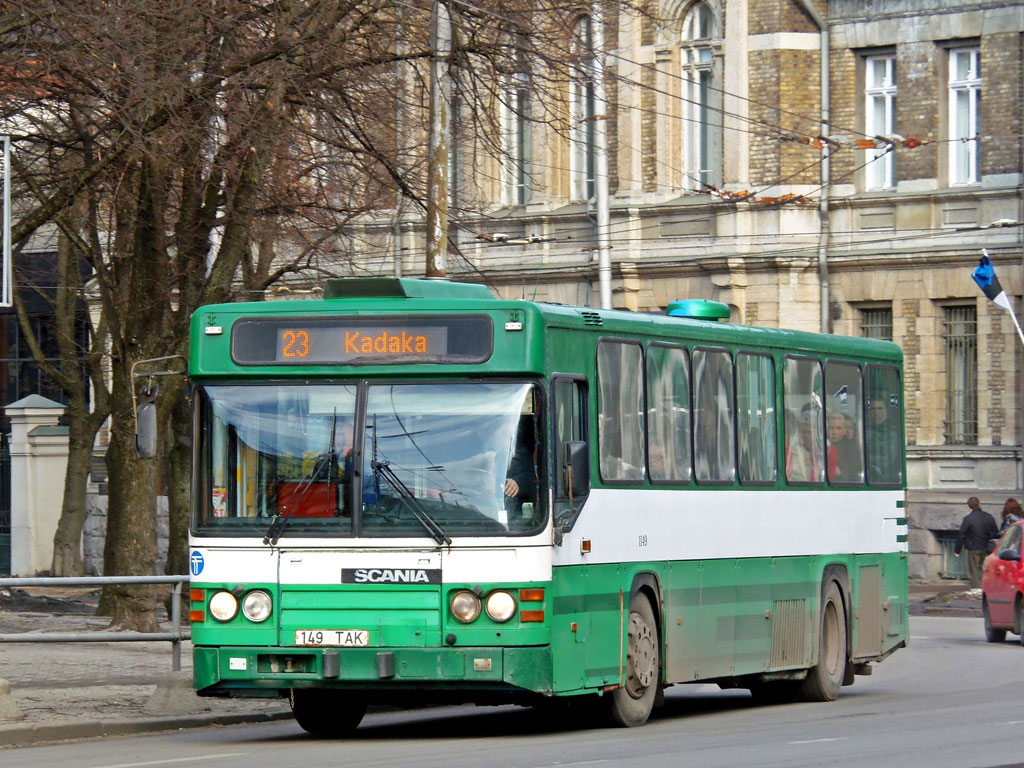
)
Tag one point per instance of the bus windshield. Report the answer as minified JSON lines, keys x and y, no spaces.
{"x":438,"y":459}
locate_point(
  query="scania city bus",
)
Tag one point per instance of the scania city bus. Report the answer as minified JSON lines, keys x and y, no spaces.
{"x":411,"y":490}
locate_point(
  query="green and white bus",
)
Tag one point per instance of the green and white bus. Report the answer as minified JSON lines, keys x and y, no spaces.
{"x":413,"y":491}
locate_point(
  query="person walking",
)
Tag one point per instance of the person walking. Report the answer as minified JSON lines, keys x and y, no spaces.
{"x":1012,"y":513}
{"x":977,"y":528}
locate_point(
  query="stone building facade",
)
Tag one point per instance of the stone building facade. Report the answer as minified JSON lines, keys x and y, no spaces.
{"x":730,"y":182}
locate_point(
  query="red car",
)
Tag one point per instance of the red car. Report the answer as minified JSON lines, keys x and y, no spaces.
{"x":1002,"y":587}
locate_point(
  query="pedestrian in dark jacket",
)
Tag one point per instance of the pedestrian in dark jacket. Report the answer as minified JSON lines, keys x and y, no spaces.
{"x":977,"y":528}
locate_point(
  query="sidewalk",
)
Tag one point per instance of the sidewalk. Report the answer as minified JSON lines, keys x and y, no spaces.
{"x":80,"y":690}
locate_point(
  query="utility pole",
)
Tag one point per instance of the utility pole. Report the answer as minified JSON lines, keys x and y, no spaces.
{"x":603,"y":223}
{"x":438,"y":147}
{"x":396,"y":223}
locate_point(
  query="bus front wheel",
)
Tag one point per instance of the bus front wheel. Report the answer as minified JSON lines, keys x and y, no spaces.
{"x":326,"y":713}
{"x":825,"y":679}
{"x":632,"y":703}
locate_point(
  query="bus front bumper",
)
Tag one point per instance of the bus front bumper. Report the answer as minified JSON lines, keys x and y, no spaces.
{"x":241,"y":671}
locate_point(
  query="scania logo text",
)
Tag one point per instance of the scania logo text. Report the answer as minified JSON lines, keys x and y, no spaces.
{"x":390,"y":576}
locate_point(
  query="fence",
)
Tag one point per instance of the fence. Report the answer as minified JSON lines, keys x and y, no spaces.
{"x":175,"y":636}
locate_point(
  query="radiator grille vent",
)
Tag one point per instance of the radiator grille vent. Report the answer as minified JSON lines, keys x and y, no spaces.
{"x":591,"y":318}
{"x":788,"y":633}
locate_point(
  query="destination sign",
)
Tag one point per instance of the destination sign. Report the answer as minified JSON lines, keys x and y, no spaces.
{"x":361,"y":340}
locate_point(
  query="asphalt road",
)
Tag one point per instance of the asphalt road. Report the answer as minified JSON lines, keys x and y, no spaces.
{"x":950,"y":699}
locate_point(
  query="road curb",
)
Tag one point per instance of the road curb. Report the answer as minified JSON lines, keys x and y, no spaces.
{"x":21,"y":735}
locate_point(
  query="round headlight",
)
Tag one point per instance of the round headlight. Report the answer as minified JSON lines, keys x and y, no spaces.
{"x":501,"y":606}
{"x":256,"y":605}
{"x":465,"y":606}
{"x":223,"y":606}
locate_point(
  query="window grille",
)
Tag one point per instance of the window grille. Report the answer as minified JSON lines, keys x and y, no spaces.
{"x":876,"y":323}
{"x":961,"y":337}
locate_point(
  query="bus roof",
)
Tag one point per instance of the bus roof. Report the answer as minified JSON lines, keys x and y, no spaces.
{"x":212,"y":325}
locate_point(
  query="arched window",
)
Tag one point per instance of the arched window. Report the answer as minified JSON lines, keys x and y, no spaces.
{"x":701,"y":107}
{"x":582,"y":128}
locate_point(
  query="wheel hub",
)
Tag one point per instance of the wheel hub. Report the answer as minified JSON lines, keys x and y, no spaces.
{"x":641,"y":656}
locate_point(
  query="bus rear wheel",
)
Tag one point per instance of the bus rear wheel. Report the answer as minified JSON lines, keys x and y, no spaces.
{"x":631,"y":704}
{"x":825,"y":679}
{"x":326,"y":713}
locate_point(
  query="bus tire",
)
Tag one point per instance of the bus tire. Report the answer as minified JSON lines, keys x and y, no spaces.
{"x":825,"y":678}
{"x":631,"y":704}
{"x":326,"y":713}
{"x":991,"y":634}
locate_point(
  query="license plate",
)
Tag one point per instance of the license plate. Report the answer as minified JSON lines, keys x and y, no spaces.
{"x":345,"y":638}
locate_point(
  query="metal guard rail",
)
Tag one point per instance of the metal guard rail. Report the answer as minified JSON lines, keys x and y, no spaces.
{"x":175,"y":636}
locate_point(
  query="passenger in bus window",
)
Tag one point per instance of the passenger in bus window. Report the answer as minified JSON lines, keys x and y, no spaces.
{"x":882,"y":448}
{"x":844,"y":463}
{"x":803,"y":450}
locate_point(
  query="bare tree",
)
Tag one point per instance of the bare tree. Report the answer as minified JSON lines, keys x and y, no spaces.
{"x":222,"y":146}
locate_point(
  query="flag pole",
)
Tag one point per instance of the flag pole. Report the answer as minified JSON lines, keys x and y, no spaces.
{"x":1016,"y":323}
{"x":985,"y":276}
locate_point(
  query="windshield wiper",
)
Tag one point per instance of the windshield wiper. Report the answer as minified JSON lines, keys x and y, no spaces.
{"x":280,"y":522}
{"x":328,"y":462}
{"x":381,"y":469}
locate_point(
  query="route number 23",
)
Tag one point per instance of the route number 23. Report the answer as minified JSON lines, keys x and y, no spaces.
{"x":296,"y":343}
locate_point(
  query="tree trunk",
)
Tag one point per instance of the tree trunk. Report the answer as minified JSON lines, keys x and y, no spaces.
{"x":131,"y":544}
{"x":179,"y":459}
{"x":67,"y":541}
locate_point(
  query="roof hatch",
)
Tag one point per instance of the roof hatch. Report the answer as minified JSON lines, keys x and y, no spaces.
{"x":402,"y":288}
{"x":698,"y":309}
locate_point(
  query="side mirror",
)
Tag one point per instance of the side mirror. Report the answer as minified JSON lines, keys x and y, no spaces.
{"x":1009,"y":554}
{"x":575,"y":468}
{"x":145,"y":431}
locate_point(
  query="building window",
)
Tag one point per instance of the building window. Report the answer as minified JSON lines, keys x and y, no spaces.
{"x":515,"y":132}
{"x":701,"y":129}
{"x":582,"y":110}
{"x":876,"y":323}
{"x":880,"y":98}
{"x":961,"y":337}
{"x":964,"y":107}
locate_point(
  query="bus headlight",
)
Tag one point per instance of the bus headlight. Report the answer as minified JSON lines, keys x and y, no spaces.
{"x":223,"y":606}
{"x":465,"y":606}
{"x":501,"y":606}
{"x":256,"y":605}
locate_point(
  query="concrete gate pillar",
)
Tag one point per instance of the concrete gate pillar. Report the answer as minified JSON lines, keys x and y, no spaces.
{"x":39,"y":459}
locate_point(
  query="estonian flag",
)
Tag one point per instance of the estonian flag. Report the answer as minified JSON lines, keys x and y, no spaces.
{"x":985,"y":277}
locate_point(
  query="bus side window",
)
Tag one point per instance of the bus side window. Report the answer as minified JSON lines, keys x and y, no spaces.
{"x":755,"y":418}
{"x":805,"y":425}
{"x":570,"y":420}
{"x":668,"y":414}
{"x":883,"y":426}
{"x":713,"y":416}
{"x":620,"y":404}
